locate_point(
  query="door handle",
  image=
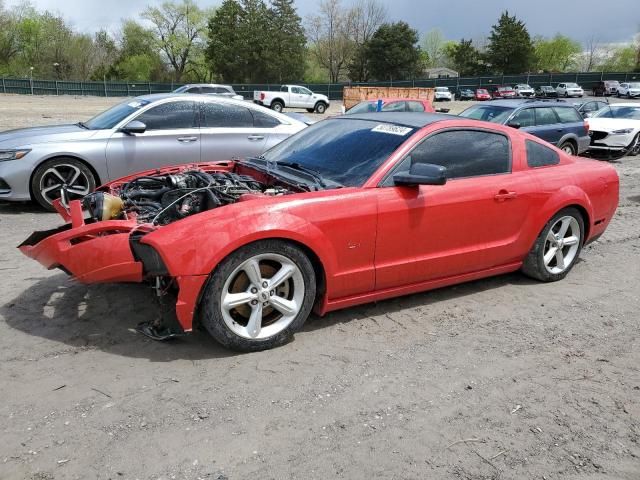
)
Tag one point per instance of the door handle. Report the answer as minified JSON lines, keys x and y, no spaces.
{"x":256,"y":137}
{"x":503,"y":195}
{"x":187,"y":139}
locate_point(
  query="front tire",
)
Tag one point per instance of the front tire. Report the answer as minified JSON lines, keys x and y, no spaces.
{"x":259,"y":296}
{"x":49,"y":178}
{"x":557,"y":248}
{"x":635,"y":146}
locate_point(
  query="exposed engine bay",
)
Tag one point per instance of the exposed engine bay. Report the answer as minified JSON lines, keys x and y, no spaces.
{"x":161,"y":199}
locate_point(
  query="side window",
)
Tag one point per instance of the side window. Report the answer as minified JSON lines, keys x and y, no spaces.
{"x":415,"y":107}
{"x":305,"y":91}
{"x":208,"y":90}
{"x":262,"y":120}
{"x":225,"y":116}
{"x":284,"y":88}
{"x":295,"y":90}
{"x":545,"y":116}
{"x":568,"y":115}
{"x":539,"y":155}
{"x":193,"y":90}
{"x":590,"y":107}
{"x":606,"y":112}
{"x":394,"y":107}
{"x":170,"y":116}
{"x":464,"y":153}
{"x":525,"y":117}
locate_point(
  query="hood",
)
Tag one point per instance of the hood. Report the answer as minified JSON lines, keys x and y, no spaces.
{"x":609,"y":124}
{"x":47,"y":134}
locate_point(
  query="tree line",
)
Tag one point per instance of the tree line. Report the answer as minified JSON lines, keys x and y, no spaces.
{"x":258,"y":41}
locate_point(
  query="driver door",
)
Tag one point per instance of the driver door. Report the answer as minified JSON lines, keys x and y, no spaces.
{"x":471,"y":223}
{"x":172,"y":138}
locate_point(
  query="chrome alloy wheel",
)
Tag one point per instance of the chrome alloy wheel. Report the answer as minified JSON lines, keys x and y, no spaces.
{"x":262,"y":296}
{"x":54,"y":177}
{"x":561,"y":245}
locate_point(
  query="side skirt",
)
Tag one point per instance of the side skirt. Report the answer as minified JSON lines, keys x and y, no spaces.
{"x":337,"y":304}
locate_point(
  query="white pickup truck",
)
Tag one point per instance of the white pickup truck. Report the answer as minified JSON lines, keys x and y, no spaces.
{"x":292,"y":96}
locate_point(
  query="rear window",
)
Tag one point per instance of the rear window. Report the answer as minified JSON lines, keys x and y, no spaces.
{"x":539,"y":155}
{"x":261,"y":119}
{"x":568,"y":115}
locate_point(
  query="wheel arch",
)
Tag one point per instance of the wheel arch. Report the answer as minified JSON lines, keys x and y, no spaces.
{"x":569,"y":137}
{"x":279,"y":100}
{"x":94,"y":172}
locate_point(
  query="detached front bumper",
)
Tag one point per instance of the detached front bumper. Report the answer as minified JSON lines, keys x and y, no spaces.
{"x":109,"y":252}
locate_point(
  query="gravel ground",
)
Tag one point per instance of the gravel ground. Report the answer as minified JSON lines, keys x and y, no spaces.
{"x":499,"y":378}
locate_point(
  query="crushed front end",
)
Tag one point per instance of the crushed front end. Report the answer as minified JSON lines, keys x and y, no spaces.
{"x":103,"y":239}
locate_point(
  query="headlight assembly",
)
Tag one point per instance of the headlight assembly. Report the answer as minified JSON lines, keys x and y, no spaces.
{"x":12,"y":154}
{"x":622,"y":131}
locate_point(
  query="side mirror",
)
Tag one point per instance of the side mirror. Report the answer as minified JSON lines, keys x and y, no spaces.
{"x":515,"y":125}
{"x":422,"y":174}
{"x":135,"y":126}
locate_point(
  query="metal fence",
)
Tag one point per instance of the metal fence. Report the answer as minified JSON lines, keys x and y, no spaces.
{"x":332,"y":90}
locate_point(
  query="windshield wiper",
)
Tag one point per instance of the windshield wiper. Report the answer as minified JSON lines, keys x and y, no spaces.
{"x":83,"y":125}
{"x":317,"y":177}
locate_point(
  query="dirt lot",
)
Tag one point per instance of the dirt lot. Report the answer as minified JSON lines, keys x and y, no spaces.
{"x":500,"y":378}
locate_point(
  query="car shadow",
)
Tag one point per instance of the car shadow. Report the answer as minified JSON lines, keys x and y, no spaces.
{"x":104,"y":316}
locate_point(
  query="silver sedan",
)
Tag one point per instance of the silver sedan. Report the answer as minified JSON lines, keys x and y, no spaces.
{"x":139,"y":134}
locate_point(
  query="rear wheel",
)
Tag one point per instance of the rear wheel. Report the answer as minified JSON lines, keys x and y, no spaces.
{"x":259,"y":296}
{"x":557,"y":248}
{"x":277,"y":106}
{"x":568,"y":148}
{"x":321,"y":107}
{"x":50,"y":177}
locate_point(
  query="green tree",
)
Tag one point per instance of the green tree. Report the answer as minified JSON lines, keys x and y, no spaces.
{"x":254,"y":27}
{"x":226,"y":46}
{"x":138,"y":56}
{"x":466,"y":58}
{"x":179,"y":29}
{"x":433,"y":44}
{"x":556,"y":54}
{"x":620,"y":59}
{"x":286,"y":43}
{"x":393,"y":52}
{"x":510,"y":49}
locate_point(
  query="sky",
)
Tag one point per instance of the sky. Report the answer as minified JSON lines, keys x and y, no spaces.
{"x":457,"y":19}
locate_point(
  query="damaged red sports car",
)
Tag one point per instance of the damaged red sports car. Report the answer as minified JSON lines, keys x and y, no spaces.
{"x":351,"y":210}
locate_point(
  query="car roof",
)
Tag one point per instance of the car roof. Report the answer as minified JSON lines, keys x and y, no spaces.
{"x":205,"y":85}
{"x":407,"y":119}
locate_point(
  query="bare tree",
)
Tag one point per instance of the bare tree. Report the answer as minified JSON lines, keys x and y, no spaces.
{"x":591,"y":55}
{"x":330,"y":33}
{"x":366,"y":18}
{"x":433,"y":44}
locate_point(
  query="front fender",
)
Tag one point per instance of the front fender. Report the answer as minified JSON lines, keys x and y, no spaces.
{"x":195,"y":246}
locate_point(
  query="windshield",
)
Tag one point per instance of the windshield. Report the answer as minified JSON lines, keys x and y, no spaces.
{"x":181,"y":89}
{"x":110,"y":118}
{"x":634,"y":85}
{"x":488,"y":113}
{"x":631,"y":112}
{"x":482,"y":90}
{"x":442,"y":89}
{"x":520,"y":87}
{"x":572,"y":85}
{"x":343,"y":150}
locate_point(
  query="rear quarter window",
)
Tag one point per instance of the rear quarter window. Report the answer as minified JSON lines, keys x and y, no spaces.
{"x":568,"y":115}
{"x":539,"y":155}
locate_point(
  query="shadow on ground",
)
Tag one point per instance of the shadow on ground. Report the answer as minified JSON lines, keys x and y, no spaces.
{"x":104,"y":316}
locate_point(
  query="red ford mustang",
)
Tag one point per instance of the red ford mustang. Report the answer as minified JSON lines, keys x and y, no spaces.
{"x":351,"y":210}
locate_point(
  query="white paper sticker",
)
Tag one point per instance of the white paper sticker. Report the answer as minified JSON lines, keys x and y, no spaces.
{"x":135,"y":104}
{"x":392,"y":129}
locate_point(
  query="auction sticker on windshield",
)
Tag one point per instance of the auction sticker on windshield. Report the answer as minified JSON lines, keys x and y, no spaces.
{"x":392,"y":129}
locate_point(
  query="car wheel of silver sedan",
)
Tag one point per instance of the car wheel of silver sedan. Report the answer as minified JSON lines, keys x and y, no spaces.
{"x":259,"y":296}
{"x":53,"y":175}
{"x":557,"y":247}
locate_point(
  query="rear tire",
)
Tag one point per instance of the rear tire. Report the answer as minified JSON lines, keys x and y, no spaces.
{"x":557,"y":248}
{"x":277,"y":106}
{"x":259,"y":296}
{"x":568,"y":148}
{"x":320,"y":108}
{"x":49,"y":178}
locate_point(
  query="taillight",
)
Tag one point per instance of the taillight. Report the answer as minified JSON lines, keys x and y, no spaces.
{"x":586,"y":125}
{"x":262,"y":95}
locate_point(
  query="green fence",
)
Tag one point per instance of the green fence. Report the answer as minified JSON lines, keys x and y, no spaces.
{"x":332,"y":90}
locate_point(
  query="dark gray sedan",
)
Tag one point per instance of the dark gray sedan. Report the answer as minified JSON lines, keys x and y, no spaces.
{"x":139,"y":134}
